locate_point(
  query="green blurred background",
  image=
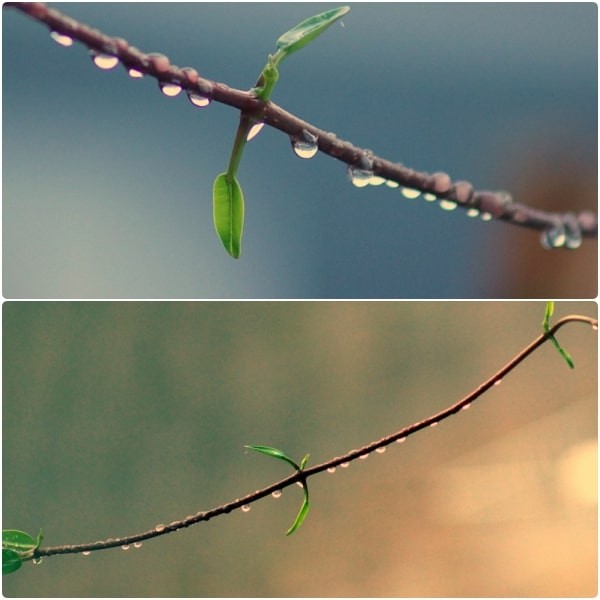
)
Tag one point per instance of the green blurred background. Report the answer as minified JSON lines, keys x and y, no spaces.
{"x":119,"y":416}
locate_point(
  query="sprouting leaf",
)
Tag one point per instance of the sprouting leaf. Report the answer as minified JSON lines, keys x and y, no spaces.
{"x":228,"y":212}
{"x":546,"y":325}
{"x":275,"y":453}
{"x":19,"y":541}
{"x":547,"y":315}
{"x":302,"y":513}
{"x":305,"y":32}
{"x":11,"y":561}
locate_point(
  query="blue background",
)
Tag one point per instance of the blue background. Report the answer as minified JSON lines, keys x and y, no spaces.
{"x":107,"y":183}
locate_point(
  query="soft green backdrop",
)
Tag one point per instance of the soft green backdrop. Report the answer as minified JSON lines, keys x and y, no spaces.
{"x":119,"y":416}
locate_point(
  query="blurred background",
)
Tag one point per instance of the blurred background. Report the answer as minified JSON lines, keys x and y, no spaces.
{"x":107,"y":183}
{"x":120,"y":416}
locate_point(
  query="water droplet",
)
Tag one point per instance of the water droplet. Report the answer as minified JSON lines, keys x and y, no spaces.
{"x":434,"y":424}
{"x":466,"y":406}
{"x":125,"y":546}
{"x":448,"y":204}
{"x":135,"y":73}
{"x":306,"y":146}
{"x":472,"y":212}
{"x":37,"y":561}
{"x":380,"y":450}
{"x":573,"y":235}
{"x":254,"y":131}
{"x":595,"y":326}
{"x":246,"y":508}
{"x":554,"y":237}
{"x":61,"y":38}
{"x":360,"y":177}
{"x":392,"y":184}
{"x":377,"y":180}
{"x":197,"y":100}
{"x":401,"y":440}
{"x":345,"y":465}
{"x":86,"y":552}
{"x":104,"y":61}
{"x":299,"y":484}
{"x":410,"y":193}
{"x":331,"y":470}
{"x":159,"y":528}
{"x":429,"y":197}
{"x":137,"y":544}
{"x":498,"y":382}
{"x":169,"y":89}
{"x":486,"y":216}
{"x":276,"y":494}
{"x":363,"y":456}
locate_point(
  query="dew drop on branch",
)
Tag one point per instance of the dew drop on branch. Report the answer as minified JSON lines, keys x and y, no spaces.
{"x":345,"y":465}
{"x":363,"y":456}
{"x":61,"y":38}
{"x":331,"y":470}
{"x":104,"y":61}
{"x":498,"y":382}
{"x":137,"y":544}
{"x":447,"y":204}
{"x":554,"y":237}
{"x":401,"y":440}
{"x":276,"y":494}
{"x":410,"y":193}
{"x":254,"y":131}
{"x":86,"y":552}
{"x":159,"y":528}
{"x":392,"y":184}
{"x":37,"y":561}
{"x":135,"y":74}
{"x":197,"y":100}
{"x":380,"y":450}
{"x":360,"y":177}
{"x":486,"y":216}
{"x":429,"y":197}
{"x":169,"y":89}
{"x":246,"y":508}
{"x":125,"y":546}
{"x":306,"y":146}
{"x":472,"y":212}
{"x":466,"y":406}
{"x":434,"y":424}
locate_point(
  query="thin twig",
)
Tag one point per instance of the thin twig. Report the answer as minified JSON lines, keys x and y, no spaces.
{"x":303,"y":475}
{"x":490,"y":204}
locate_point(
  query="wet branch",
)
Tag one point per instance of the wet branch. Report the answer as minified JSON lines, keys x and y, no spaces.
{"x":343,"y":460}
{"x":560,"y":229}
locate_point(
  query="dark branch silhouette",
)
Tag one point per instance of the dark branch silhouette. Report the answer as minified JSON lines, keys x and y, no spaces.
{"x":343,"y":460}
{"x":559,"y":229}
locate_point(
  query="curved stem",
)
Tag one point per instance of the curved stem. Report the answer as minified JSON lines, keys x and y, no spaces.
{"x":303,"y":474}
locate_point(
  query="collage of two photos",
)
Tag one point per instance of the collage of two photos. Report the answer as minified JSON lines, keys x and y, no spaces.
{"x":312,"y":316}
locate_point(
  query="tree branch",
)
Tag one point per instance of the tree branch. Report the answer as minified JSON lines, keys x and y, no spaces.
{"x":559,"y":229}
{"x":343,"y":460}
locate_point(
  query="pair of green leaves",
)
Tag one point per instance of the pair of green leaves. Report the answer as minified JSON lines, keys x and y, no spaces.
{"x":228,"y":198}
{"x":546,"y":325}
{"x":17,"y":546}
{"x":275,"y":453}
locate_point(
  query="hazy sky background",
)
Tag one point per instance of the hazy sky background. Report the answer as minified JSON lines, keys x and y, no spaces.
{"x":107,"y":183}
{"x":120,"y":416}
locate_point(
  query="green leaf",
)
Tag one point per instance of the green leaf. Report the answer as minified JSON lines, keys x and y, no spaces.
{"x":546,"y":325}
{"x":305,"y":32}
{"x":228,"y":212}
{"x":303,"y":512}
{"x":19,"y":541}
{"x":11,"y":561}
{"x":275,"y":453}
{"x":304,"y":461}
{"x":549,"y":312}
